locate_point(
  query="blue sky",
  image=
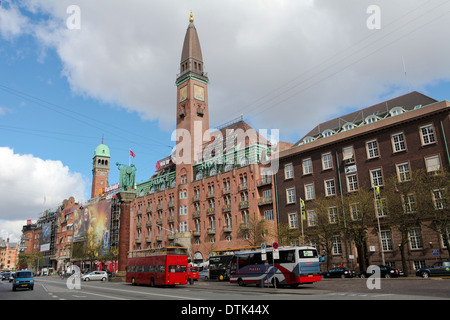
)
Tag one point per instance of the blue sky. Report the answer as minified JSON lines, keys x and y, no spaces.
{"x":285,"y":65}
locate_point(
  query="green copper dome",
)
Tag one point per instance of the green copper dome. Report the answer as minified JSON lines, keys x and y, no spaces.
{"x":102,"y":151}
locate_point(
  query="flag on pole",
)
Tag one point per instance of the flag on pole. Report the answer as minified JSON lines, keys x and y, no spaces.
{"x":302,"y":209}
{"x":132,"y":154}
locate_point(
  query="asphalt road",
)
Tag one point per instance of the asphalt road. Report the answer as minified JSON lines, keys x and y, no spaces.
{"x":53,"y":288}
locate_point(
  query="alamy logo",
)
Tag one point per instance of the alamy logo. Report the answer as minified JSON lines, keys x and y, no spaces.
{"x":74,"y":281}
{"x":374,"y":281}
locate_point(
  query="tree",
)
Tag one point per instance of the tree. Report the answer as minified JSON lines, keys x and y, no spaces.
{"x":255,"y":230}
{"x":433,"y":201}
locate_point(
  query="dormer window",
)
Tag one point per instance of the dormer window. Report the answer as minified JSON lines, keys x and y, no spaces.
{"x":371,"y":119}
{"x":327,"y":133}
{"x":348,"y":126}
{"x":396,"y":111}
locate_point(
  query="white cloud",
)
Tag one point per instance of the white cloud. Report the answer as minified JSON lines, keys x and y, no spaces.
{"x":263,"y":57}
{"x":11,"y":230}
{"x":29,"y":185}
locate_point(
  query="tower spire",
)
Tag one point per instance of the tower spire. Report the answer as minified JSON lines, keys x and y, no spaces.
{"x":191,"y":18}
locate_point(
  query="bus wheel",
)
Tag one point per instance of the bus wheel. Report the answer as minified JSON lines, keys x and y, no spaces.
{"x":241,"y":282}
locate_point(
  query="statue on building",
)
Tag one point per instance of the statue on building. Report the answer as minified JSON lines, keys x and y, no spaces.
{"x":127,"y":176}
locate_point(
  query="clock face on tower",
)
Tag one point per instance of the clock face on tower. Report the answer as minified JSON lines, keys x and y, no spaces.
{"x":199,"y":93}
{"x":183,"y":93}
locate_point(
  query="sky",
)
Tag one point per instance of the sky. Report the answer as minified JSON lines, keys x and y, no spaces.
{"x":76,"y":73}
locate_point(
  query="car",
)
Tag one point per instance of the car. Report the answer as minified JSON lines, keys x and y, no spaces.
{"x":339,"y":272}
{"x":95,"y":275}
{"x":6,"y":275}
{"x":385,"y":272}
{"x":23,"y":279}
{"x":204,"y":274}
{"x":438,"y":269}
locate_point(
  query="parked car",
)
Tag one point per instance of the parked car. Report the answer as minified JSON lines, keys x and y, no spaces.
{"x":339,"y":272}
{"x":204,"y":274}
{"x":385,"y":272}
{"x":438,"y":269}
{"x":95,"y":275}
{"x":23,"y":279}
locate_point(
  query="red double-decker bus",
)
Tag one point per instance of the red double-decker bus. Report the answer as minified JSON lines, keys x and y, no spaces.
{"x":158,"y":267}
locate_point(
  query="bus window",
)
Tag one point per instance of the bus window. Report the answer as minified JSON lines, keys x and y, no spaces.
{"x":287,"y":256}
{"x":177,"y":268}
{"x":307,"y":253}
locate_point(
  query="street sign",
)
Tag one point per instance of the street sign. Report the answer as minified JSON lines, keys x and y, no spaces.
{"x":276,"y":254}
{"x":435,"y":252}
{"x":275,"y":245}
{"x":263,"y":256}
{"x":263,"y":248}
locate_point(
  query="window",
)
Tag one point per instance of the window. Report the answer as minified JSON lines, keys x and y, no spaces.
{"x":293,"y":220}
{"x":403,"y":172}
{"x":183,"y":226}
{"x":415,"y":238}
{"x":433,"y":164}
{"x":183,"y":210}
{"x":312,"y":218}
{"x":327,"y":162}
{"x":376,"y":177}
{"x":352,"y":183}
{"x":332,"y":214}
{"x":427,"y":135}
{"x":372,"y":149}
{"x":348,"y":155}
{"x":288,"y":171}
{"x":355,"y":210}
{"x":290,"y":195}
{"x":309,"y":191}
{"x":183,"y":194}
{"x":439,"y":199}
{"x":330,"y":188}
{"x":336,"y":245}
{"x":268,"y":214}
{"x":409,"y":203}
{"x":307,"y":166}
{"x":398,"y":142}
{"x":386,"y":241}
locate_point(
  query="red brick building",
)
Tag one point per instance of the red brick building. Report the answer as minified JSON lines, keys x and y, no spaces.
{"x":210,"y":195}
{"x":359,"y":151}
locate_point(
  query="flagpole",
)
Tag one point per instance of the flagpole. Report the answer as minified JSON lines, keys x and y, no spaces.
{"x":129,"y":158}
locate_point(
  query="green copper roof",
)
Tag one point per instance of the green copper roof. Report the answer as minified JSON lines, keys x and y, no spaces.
{"x":102,"y":151}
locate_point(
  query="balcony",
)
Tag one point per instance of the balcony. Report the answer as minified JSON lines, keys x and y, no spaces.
{"x":265,"y":200}
{"x":244,"y":226}
{"x":139,"y":213}
{"x":170,"y":219}
{"x":170,"y":237}
{"x":226,"y":208}
{"x":171,"y":204}
{"x":210,"y":194}
{"x":148,"y":224}
{"x":211,"y":211}
{"x":243,"y":205}
{"x":243,"y":186}
{"x":159,"y":238}
{"x":196,"y":214}
{"x":160,"y":206}
{"x":138,"y":240}
{"x":139,"y":225}
{"x":264,"y":182}
{"x":211,"y":231}
{"x":159,"y":221}
{"x":227,"y":229}
{"x":226,"y":190}
{"x":148,"y":239}
{"x":196,"y":198}
{"x":196,"y":233}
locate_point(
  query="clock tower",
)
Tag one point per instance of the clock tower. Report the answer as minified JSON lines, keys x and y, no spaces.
{"x":192,"y":101}
{"x":100,"y":169}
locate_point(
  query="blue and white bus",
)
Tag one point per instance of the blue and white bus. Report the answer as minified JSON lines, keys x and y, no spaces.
{"x":296,"y":265}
